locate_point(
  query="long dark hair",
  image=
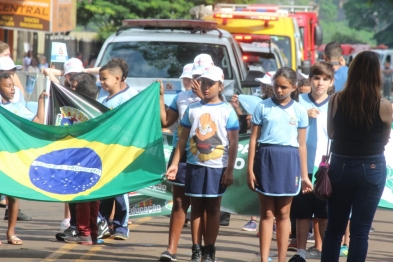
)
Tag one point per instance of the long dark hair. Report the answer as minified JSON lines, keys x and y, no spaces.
{"x":360,"y":98}
{"x":291,"y":76}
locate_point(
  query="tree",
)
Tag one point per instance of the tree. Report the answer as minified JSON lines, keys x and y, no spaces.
{"x":372,"y":15}
{"x":107,"y":15}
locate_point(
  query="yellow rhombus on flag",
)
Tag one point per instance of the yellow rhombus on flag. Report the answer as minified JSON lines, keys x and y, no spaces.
{"x":115,"y":153}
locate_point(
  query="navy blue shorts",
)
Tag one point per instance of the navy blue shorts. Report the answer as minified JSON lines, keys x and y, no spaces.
{"x":277,"y":170}
{"x":306,"y":206}
{"x":180,"y":179}
{"x":202,"y":181}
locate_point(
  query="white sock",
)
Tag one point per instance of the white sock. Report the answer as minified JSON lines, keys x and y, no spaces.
{"x":66,"y":221}
{"x":302,"y":253}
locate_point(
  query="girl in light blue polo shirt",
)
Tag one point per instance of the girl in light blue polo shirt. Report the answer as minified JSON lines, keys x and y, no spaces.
{"x":277,"y":165}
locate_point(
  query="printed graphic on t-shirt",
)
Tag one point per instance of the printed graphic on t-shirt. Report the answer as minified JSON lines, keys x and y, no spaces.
{"x":69,"y":116}
{"x":205,"y":142}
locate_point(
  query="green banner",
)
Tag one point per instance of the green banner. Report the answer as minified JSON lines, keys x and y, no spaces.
{"x":238,"y":198}
{"x":114,"y":153}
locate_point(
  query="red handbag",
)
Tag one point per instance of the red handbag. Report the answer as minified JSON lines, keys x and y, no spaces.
{"x":322,"y":186}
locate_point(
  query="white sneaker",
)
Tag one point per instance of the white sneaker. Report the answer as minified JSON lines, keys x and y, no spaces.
{"x":64,"y":224}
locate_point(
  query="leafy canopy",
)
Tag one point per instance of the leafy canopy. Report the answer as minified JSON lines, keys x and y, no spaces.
{"x":106,"y":15}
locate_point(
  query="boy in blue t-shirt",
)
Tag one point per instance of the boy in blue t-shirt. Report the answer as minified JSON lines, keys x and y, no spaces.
{"x":333,"y":55}
{"x":128,"y":91}
{"x":7,"y":92}
{"x":308,"y":206}
{"x":111,"y":80}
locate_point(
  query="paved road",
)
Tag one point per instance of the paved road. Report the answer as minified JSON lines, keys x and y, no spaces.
{"x":148,"y":238}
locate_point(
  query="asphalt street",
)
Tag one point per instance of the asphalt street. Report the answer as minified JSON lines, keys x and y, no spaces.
{"x":148,"y":238}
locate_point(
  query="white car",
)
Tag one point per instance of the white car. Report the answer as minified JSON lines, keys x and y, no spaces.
{"x":159,"y":48}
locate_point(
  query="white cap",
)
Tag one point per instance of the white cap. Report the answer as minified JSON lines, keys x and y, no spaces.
{"x":6,"y":63}
{"x":187,"y":71}
{"x":201,"y":62}
{"x":213,"y":73}
{"x":74,"y":65}
{"x":267,"y":78}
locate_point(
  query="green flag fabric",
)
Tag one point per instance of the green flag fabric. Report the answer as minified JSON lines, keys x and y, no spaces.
{"x":238,"y":199}
{"x":114,"y":153}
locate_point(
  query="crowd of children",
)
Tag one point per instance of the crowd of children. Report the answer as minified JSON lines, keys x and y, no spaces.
{"x":288,"y":133}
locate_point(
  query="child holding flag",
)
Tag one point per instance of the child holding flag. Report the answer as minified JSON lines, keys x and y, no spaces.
{"x":7,"y":92}
{"x":86,"y":212}
{"x":111,"y":78}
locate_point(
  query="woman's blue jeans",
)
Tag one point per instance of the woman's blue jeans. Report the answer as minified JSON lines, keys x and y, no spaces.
{"x":357,"y":185}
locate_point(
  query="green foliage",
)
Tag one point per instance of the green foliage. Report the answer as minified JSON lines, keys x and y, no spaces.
{"x":107,"y":15}
{"x":372,"y":15}
{"x":327,"y":10}
{"x":342,"y":33}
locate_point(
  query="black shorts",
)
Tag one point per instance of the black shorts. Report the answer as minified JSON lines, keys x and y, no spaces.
{"x":180,"y":179}
{"x":306,"y":206}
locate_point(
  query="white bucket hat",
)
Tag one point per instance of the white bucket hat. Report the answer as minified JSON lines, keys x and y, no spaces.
{"x":6,"y":63}
{"x":74,"y":65}
{"x":267,"y":78}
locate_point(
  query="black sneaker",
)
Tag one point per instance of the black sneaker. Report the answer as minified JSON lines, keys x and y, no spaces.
{"x":209,"y":254}
{"x":196,"y":253}
{"x":166,"y":256}
{"x":68,"y":232}
{"x":21,"y":216}
{"x":103,"y":230}
{"x":297,"y":258}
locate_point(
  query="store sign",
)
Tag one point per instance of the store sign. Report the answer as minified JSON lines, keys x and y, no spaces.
{"x":50,"y":16}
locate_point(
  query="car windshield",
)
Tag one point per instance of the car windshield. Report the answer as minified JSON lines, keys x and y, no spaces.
{"x":164,"y":59}
{"x":260,"y":61}
{"x":284,"y":44}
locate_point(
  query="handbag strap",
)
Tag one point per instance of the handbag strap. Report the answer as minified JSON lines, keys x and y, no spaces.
{"x":328,"y":151}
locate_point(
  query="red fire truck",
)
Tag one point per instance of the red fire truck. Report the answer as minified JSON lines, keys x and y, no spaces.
{"x":310,"y":30}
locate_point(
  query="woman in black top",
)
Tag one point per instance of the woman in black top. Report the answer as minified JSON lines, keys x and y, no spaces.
{"x":359,"y":124}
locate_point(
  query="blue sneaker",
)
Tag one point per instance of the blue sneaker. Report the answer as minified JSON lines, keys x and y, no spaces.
{"x":250,"y":226}
{"x":344,"y":251}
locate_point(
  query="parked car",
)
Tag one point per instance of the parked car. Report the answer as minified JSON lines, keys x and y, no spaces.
{"x":159,"y":48}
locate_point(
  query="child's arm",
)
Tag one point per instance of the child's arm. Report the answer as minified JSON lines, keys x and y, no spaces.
{"x":168,"y":117}
{"x":255,"y":133}
{"x":18,"y":83}
{"x":179,"y":151}
{"x":306,"y":183}
{"x":235,"y":104}
{"x":233,"y":137}
{"x":52,"y":73}
{"x":40,"y":117}
{"x":93,"y":71}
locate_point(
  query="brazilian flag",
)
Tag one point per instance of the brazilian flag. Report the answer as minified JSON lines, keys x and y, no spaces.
{"x":68,"y":107}
{"x":115,"y":153}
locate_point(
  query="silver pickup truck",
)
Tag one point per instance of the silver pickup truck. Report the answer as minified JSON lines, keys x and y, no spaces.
{"x":159,"y":48}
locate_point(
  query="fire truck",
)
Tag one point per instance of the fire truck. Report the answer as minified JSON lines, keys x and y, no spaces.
{"x":310,"y":30}
{"x":256,"y":20}
{"x":294,"y":29}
